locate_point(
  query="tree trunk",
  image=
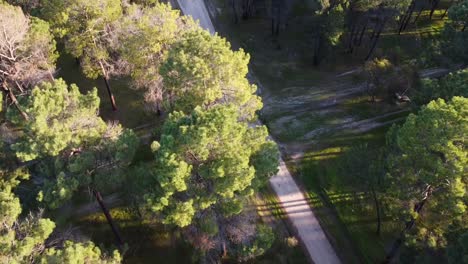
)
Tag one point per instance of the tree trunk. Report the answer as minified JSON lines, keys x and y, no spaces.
{"x":158,"y":109}
{"x":407,"y":17}
{"x":412,"y":7}
{"x":435,"y":3}
{"x":446,"y":9}
{"x":351,"y":37}
{"x":111,"y":95}
{"x":377,"y":209}
{"x":234,"y":11}
{"x":15,"y":101}
{"x":246,"y":9}
{"x":417,"y":17}
{"x":397,"y":244}
{"x":318,"y":44}
{"x":377,"y":36}
{"x":362,"y":33}
{"x":109,"y":91}
{"x":104,"y":209}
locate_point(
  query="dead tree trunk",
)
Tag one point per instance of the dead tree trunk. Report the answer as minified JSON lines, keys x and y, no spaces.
{"x":13,"y":99}
{"x":104,"y":209}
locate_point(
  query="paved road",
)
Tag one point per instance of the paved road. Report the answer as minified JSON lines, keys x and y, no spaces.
{"x":197,"y":9}
{"x":301,"y":216}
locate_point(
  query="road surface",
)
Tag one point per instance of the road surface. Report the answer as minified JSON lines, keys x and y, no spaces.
{"x":197,"y":9}
{"x":302,"y":218}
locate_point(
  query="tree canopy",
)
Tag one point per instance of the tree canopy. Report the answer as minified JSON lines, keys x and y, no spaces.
{"x":205,"y":162}
{"x":27,"y":50}
{"x":144,"y":35}
{"x":24,"y":240}
{"x":454,"y":84}
{"x":455,"y":36}
{"x":202,"y":70}
{"x":427,"y":170}
{"x":60,"y":118}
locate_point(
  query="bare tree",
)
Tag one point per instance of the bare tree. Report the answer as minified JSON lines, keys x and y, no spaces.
{"x":27,"y":52}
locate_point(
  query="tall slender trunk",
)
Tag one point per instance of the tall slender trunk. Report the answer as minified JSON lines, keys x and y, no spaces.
{"x":234,"y":11}
{"x":377,"y":36}
{"x":109,"y":91}
{"x":111,"y":95}
{"x":446,"y":9}
{"x":317,"y":47}
{"x":407,"y":17}
{"x":278,"y":20}
{"x":413,"y":6}
{"x":351,"y":37}
{"x":435,"y":3}
{"x":104,"y":209}
{"x":417,"y":17}
{"x":362,"y":33}
{"x":377,"y":209}
{"x":15,"y":101}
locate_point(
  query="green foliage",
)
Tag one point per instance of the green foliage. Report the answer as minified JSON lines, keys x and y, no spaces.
{"x":58,"y":190}
{"x":10,"y":207}
{"x":454,"y":35}
{"x":363,"y":166}
{"x":428,"y":157}
{"x":79,"y":253}
{"x":378,"y":73}
{"x":86,"y":29}
{"x":144,"y":34}
{"x":263,"y":241}
{"x":60,"y":118}
{"x":454,"y":84}
{"x":264,"y":161}
{"x":204,"y":163}
{"x":23,"y":240}
{"x":457,"y":251}
{"x":100,"y":166}
{"x":334,"y":25}
{"x":202,"y":70}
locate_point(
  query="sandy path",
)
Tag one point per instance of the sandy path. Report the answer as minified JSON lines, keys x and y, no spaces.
{"x":302,"y":218}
